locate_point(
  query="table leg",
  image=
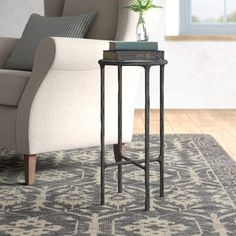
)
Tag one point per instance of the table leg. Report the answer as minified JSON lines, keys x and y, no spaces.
{"x":162,"y":131}
{"x":102,"y":135}
{"x":147,"y":120}
{"x":119,"y":128}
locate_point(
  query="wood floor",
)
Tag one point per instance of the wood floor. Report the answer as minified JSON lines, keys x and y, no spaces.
{"x":221,"y":124}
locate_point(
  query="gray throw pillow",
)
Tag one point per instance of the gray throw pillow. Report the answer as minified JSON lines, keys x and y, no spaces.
{"x":40,"y":27}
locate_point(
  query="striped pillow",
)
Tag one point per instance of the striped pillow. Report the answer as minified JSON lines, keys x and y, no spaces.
{"x":40,"y":27}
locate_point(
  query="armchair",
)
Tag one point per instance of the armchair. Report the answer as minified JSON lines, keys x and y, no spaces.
{"x":57,"y":105}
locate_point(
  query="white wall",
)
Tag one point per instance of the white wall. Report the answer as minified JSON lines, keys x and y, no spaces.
{"x":199,"y":74}
{"x":15,"y":13}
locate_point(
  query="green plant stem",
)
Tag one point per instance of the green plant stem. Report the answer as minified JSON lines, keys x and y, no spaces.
{"x":141,"y":18}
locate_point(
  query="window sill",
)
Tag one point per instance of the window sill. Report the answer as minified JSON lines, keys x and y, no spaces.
{"x":201,"y":38}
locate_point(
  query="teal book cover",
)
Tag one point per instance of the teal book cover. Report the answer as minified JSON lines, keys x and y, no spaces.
{"x":135,"y":45}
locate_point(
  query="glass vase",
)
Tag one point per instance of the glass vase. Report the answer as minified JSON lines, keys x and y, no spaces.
{"x":141,"y":31}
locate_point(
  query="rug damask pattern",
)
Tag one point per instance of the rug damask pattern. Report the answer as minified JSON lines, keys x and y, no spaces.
{"x":200,"y":192}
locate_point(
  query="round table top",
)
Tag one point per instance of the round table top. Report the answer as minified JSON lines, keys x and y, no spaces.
{"x":158,"y":62}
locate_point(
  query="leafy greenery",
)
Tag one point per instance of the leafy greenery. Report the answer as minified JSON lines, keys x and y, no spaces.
{"x":142,"y":6}
{"x":232,"y":17}
{"x":207,"y":20}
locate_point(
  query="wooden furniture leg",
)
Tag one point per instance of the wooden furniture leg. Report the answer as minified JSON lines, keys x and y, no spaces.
{"x":30,"y":168}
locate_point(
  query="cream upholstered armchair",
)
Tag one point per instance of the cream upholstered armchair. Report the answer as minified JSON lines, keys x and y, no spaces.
{"x":57,"y":105}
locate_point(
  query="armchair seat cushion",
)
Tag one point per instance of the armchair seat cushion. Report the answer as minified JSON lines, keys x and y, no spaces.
{"x":12,"y":84}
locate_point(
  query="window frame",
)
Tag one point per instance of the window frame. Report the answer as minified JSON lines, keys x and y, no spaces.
{"x":189,"y":28}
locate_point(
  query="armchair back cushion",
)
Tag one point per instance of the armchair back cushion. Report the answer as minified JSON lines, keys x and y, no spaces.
{"x":116,"y":18}
{"x":105,"y":24}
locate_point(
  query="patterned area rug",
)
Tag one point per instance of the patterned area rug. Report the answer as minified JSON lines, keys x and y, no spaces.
{"x":200,"y":192}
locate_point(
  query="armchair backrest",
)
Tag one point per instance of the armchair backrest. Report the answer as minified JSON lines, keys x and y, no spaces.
{"x":53,"y":7}
{"x":113,"y":22}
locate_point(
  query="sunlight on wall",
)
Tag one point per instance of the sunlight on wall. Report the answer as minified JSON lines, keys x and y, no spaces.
{"x":172,"y":17}
{"x":195,"y":75}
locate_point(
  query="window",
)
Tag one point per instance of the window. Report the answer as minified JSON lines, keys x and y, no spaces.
{"x":208,"y":17}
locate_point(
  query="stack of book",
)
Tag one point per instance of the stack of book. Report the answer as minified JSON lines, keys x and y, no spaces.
{"x":123,"y":50}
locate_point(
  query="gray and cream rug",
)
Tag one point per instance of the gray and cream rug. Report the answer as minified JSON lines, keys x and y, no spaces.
{"x":200,"y":192}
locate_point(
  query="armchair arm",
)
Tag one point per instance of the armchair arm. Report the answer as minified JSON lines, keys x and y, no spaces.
{"x":57,"y":63}
{"x":6,"y":46}
{"x":72,"y":54}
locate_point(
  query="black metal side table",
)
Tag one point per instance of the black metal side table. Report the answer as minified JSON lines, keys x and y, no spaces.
{"x":146,"y":64}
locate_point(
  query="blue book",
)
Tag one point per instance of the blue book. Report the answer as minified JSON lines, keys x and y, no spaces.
{"x":136,"y":45}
